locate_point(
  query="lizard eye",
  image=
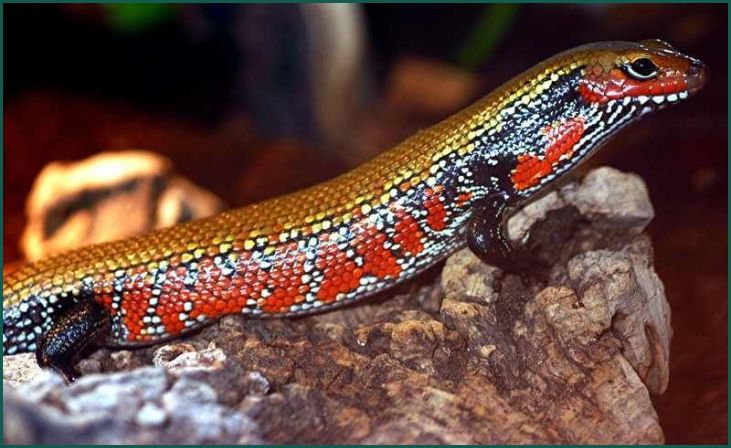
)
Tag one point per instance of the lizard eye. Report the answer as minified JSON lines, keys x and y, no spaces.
{"x":641,"y":69}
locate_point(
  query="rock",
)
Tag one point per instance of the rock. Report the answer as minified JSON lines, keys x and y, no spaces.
{"x":606,"y":197}
{"x":20,"y":369}
{"x":109,"y":196}
{"x":612,"y":199}
{"x":141,"y":406}
{"x":469,"y":356}
{"x":189,"y":359}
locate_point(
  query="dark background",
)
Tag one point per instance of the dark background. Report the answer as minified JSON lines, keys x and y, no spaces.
{"x":227,"y":93}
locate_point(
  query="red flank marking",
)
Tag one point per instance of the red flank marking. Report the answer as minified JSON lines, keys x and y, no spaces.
{"x":436,"y":217}
{"x":408,"y":234}
{"x":340,"y":274}
{"x":462,"y":199}
{"x":562,"y":138}
{"x":377,"y":260}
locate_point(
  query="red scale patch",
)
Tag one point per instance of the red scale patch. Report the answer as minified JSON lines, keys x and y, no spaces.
{"x":408,"y":234}
{"x":377,"y":260}
{"x":562,"y":138}
{"x":436,"y":217}
{"x":283,"y":280}
{"x":133,"y":305}
{"x":463,"y":199}
{"x":340,"y":273}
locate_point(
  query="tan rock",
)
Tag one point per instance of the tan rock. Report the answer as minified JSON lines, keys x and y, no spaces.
{"x":109,"y":196}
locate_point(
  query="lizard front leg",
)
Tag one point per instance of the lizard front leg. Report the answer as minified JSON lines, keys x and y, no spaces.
{"x":487,"y":237}
{"x":80,"y":325}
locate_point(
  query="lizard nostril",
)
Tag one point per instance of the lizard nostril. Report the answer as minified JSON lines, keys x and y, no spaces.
{"x":697,"y":74}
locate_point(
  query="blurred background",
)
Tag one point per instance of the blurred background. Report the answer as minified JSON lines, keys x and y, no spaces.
{"x":251,"y":101}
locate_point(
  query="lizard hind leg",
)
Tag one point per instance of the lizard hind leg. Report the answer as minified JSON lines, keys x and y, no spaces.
{"x":82,"y":324}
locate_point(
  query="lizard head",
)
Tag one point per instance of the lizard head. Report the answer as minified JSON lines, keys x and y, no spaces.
{"x":568,"y":106}
{"x":649,"y":74}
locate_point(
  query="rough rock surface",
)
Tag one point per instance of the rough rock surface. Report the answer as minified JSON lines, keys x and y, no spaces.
{"x":470,"y":355}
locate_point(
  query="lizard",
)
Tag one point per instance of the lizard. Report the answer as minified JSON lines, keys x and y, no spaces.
{"x":449,"y":186}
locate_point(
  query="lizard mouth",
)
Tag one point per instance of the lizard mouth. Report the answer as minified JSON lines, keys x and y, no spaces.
{"x":642,"y":105}
{"x":654,"y":103}
{"x":695,"y":79}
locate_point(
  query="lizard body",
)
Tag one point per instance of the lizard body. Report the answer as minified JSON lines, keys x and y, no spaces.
{"x":448,"y":186}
